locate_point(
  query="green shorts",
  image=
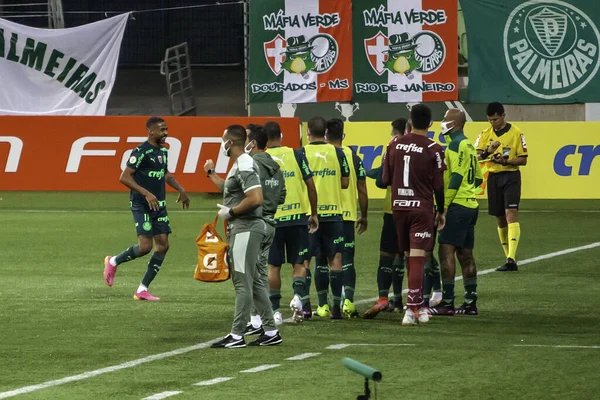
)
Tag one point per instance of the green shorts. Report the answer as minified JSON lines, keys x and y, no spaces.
{"x":150,"y":223}
{"x":460,"y":227}
{"x":328,"y":240}
{"x":289,"y":244}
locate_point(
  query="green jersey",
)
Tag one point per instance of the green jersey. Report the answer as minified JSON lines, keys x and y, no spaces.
{"x":150,"y":166}
{"x":350,"y":195}
{"x":296,"y":172}
{"x":463,"y":175}
{"x":329,"y":165}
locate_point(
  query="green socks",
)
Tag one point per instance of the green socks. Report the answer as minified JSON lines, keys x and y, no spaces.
{"x":470,"y":285}
{"x":336,"y":280}
{"x":384,"y":275}
{"x":322,"y":283}
{"x":298,"y":286}
{"x":398,"y":277}
{"x":349,"y":281}
{"x":275,"y":297}
{"x":448,"y":291}
{"x":130,"y":254}
{"x":153,"y":267}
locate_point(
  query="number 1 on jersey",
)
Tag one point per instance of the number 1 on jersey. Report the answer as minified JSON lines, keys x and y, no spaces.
{"x":406,"y":170}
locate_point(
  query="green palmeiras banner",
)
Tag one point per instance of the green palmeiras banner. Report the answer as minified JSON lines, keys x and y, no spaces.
{"x":405,"y":50}
{"x":533,"y":52}
{"x":300,"y":51}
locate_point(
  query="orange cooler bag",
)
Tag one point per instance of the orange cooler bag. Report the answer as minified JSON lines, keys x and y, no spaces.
{"x":212,"y":255}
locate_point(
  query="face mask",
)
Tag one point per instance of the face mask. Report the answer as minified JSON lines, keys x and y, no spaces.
{"x":248,"y":148}
{"x":224,"y":150}
{"x":446,"y":128}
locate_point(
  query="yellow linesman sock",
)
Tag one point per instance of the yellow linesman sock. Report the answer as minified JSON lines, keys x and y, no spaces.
{"x":514,"y":234}
{"x":503,"y":234}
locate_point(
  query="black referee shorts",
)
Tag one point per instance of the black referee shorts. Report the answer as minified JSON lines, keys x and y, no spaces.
{"x":504,"y":192}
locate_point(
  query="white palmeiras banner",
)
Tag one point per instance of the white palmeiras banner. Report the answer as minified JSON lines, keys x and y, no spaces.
{"x":59,"y":71}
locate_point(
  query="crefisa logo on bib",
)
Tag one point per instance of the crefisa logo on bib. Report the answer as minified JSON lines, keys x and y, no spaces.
{"x":551,"y":48}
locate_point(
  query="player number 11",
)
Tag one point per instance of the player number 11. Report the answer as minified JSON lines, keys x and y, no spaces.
{"x":406,"y":170}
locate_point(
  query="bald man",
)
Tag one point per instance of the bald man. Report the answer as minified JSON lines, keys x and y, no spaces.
{"x":461,"y":180}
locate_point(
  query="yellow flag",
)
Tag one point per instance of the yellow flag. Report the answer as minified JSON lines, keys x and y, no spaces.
{"x":485,"y":171}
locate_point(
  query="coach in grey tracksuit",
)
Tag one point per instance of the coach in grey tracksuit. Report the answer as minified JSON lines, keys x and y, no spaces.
{"x":242,"y":207}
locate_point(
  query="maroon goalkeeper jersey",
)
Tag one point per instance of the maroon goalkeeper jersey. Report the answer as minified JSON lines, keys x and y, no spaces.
{"x":413,"y":166}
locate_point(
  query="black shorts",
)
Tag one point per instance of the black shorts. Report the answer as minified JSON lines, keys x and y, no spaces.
{"x":460,"y":227}
{"x":389,"y":239}
{"x":150,"y":223}
{"x":504,"y":192}
{"x":349,"y":235}
{"x":290,"y":241}
{"x":327,"y":240}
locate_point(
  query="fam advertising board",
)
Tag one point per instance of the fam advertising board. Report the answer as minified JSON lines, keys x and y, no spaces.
{"x":89,"y":153}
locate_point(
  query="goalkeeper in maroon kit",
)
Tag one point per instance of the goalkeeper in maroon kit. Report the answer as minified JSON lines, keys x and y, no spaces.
{"x":413,"y":167}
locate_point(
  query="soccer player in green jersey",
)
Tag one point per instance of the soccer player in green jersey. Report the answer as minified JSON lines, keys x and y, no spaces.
{"x":295,"y":218}
{"x":146,"y":174}
{"x":391,"y":261}
{"x":331,"y":174}
{"x":357,"y":189}
{"x":462,"y":178}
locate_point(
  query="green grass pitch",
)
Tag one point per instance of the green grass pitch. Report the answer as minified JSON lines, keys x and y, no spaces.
{"x":58,"y":318}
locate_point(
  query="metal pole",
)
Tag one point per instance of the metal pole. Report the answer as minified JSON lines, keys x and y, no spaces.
{"x":246,"y":45}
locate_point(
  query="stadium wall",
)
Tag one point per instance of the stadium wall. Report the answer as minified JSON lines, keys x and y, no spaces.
{"x":89,"y":153}
{"x":561,"y":161}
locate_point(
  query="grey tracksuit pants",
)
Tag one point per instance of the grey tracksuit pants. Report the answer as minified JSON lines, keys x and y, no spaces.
{"x":248,"y":252}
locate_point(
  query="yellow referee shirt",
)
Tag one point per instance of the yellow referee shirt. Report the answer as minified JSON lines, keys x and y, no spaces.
{"x":512,"y":142}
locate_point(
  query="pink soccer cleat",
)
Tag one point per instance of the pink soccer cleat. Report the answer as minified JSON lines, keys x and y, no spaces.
{"x":109,"y":271}
{"x":144,"y":295}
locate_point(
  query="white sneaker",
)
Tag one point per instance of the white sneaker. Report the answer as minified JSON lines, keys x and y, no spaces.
{"x":278,"y":318}
{"x":423,"y":316}
{"x":436,"y":299}
{"x":296,"y":306}
{"x":409,"y":318}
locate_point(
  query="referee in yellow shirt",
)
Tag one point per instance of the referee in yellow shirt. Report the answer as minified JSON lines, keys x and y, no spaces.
{"x":504,"y":145}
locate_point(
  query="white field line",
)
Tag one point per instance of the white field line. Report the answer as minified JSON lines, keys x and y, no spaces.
{"x":489,"y":271}
{"x":344,"y":345}
{"x":261,"y":368}
{"x":160,"y":356}
{"x":522,"y":262}
{"x":91,"y":374}
{"x":557,"y":346}
{"x":303,"y":356}
{"x":213,"y":381}
{"x":172,"y":210}
{"x":162,"y":395}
